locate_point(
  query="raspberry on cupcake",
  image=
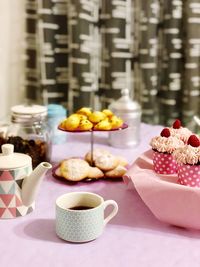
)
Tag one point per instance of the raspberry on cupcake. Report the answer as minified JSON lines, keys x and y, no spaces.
{"x":180,"y":132}
{"x":163,"y":146}
{"x":188,"y":159}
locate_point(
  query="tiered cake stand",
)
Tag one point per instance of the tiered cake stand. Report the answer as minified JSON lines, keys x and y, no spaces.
{"x":124,"y":126}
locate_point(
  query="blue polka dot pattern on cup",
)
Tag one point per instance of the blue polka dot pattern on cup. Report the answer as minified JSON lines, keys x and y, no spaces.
{"x":79,"y":226}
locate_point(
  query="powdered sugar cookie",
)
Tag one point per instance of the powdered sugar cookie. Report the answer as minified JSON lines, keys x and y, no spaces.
{"x":117,"y":172}
{"x":97,"y":152}
{"x":74,"y":169}
{"x":95,"y":173}
{"x":106,"y":162}
{"x":122,"y":161}
{"x":58,"y":172}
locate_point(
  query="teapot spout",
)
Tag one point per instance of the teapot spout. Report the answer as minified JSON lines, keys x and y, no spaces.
{"x":31,"y":184}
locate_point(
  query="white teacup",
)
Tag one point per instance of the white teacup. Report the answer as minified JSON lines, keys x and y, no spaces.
{"x":80,"y":216}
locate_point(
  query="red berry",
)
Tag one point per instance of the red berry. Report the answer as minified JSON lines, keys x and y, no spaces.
{"x":177,"y":124}
{"x":193,"y":141}
{"x":165,"y":132}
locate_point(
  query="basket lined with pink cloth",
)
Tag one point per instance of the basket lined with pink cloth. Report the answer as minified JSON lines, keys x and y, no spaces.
{"x":168,"y":200}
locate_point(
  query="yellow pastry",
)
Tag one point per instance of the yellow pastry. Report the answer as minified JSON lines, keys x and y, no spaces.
{"x":85,"y":125}
{"x":62,"y":124}
{"x":81,"y":116}
{"x":97,"y":116}
{"x":103,"y":125}
{"x":108,"y":112}
{"x":84,"y":111}
{"x":116,"y":122}
{"x":72,"y":122}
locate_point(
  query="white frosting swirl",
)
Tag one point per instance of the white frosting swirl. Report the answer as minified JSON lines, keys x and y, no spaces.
{"x":165,"y":144}
{"x":181,"y":133}
{"x":187,"y":155}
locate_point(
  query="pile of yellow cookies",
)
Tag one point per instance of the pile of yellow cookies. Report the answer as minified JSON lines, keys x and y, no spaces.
{"x":104,"y":165}
{"x":85,"y":119}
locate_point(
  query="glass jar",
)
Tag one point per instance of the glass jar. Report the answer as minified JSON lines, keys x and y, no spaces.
{"x":29,"y":132}
{"x":130,"y":112}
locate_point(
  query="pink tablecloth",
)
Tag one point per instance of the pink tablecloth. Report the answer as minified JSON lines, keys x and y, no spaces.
{"x":133,"y":238}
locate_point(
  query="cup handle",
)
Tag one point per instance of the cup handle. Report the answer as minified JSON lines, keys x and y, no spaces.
{"x":113,"y":212}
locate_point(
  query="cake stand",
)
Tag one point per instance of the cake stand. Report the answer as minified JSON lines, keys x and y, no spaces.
{"x":124,"y":126}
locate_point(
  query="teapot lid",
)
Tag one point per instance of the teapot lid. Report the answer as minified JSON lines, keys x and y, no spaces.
{"x":125,"y":103}
{"x":11,"y":160}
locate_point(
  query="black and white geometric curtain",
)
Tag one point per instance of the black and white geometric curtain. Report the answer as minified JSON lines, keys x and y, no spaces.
{"x":83,"y":52}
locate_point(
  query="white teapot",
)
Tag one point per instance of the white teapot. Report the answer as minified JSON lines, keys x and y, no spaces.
{"x":18,"y":183}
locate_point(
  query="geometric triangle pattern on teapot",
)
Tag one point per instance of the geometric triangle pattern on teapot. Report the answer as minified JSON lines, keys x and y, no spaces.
{"x":11,"y":205}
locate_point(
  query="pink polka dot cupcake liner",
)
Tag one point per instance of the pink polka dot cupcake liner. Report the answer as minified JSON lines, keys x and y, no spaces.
{"x":189,"y":175}
{"x":164,"y":163}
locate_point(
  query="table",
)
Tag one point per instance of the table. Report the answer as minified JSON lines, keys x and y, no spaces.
{"x":133,"y":238}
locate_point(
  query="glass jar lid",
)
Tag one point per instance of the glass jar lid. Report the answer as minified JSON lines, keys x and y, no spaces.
{"x":28,"y":113}
{"x":11,"y":160}
{"x":125,"y":103}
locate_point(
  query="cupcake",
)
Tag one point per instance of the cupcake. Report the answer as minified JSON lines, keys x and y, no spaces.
{"x":163,"y":146}
{"x":188,"y":159}
{"x":180,"y":132}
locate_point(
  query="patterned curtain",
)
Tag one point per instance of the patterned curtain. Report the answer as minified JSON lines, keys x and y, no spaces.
{"x":83,"y":52}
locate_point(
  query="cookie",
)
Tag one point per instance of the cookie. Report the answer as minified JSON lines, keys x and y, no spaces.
{"x":106,"y":162}
{"x":122,"y":161}
{"x":103,"y":125}
{"x":74,"y":169}
{"x":97,"y":116}
{"x":85,"y":125}
{"x":95,"y":173}
{"x":116,"y":122}
{"x":58,"y":172}
{"x":84,"y":111}
{"x":108,"y":112}
{"x":71,"y":123}
{"x":82,"y":117}
{"x":117,"y":172}
{"x":96,"y":153}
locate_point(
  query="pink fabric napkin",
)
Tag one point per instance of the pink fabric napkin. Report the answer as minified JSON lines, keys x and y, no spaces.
{"x":169,"y":201}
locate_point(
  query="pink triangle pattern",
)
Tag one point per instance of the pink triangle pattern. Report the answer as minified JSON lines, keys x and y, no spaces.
{"x":12,"y":211}
{"x":2,"y":204}
{"x":6,"y":176}
{"x":18,"y":202}
{"x":2,"y":212}
{"x":6,"y":198}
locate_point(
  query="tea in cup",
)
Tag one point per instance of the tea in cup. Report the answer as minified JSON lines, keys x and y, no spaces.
{"x":80,"y":216}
